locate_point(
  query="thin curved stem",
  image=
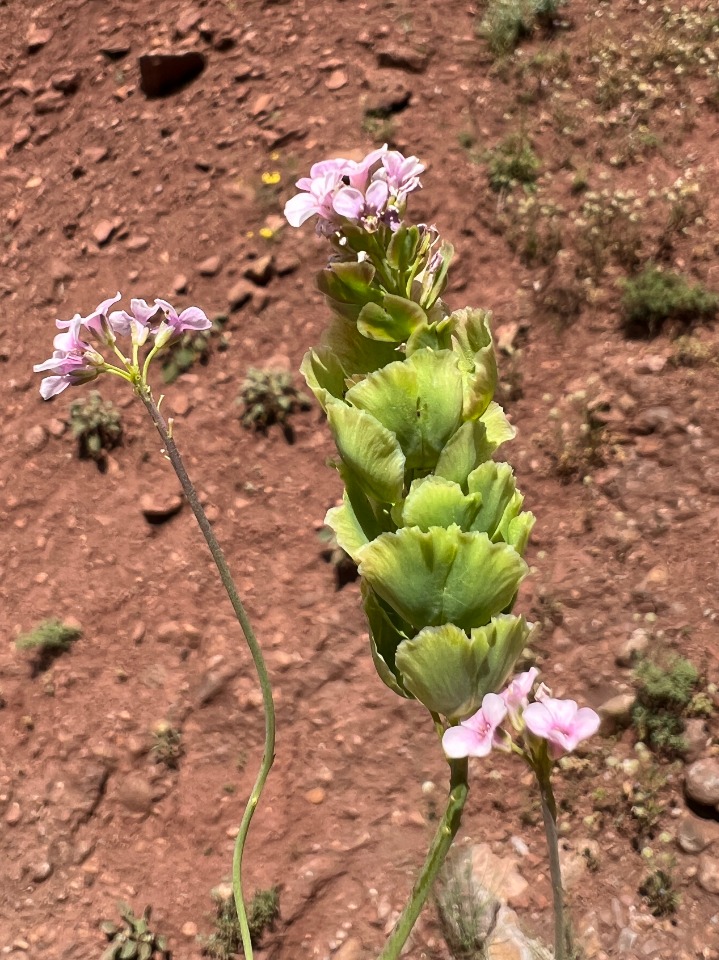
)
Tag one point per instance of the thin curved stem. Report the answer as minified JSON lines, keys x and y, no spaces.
{"x":549,"y":815}
{"x":269,"y":708}
{"x":442,"y":841}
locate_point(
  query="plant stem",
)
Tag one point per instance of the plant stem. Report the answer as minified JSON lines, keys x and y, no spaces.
{"x":442,"y":841}
{"x":241,"y":614}
{"x":549,"y":815}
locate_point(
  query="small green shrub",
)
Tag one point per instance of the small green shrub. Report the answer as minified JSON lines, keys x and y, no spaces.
{"x":664,"y":698}
{"x":507,"y":22}
{"x":47,"y":641}
{"x":658,"y":891}
{"x":96,"y":424}
{"x":226,"y":941}
{"x":167,"y":745}
{"x":466,"y":916}
{"x":689,"y":351}
{"x":133,"y":939}
{"x":656,"y":296}
{"x":513,"y":163}
{"x":268,"y":397}
{"x":193,"y":347}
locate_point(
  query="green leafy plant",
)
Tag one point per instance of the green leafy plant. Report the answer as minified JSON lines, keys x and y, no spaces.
{"x":658,"y":890}
{"x":48,"y":640}
{"x":133,"y":939}
{"x":513,"y":163}
{"x":689,"y":351}
{"x":96,"y":424}
{"x":507,"y":22}
{"x":226,"y":942}
{"x":193,"y":347}
{"x":655,"y":297}
{"x":467,"y":914}
{"x":268,"y":397}
{"x":167,"y":745}
{"x":664,"y":696}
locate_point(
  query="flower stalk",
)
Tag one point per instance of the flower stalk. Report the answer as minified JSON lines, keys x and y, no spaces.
{"x":268,"y":756}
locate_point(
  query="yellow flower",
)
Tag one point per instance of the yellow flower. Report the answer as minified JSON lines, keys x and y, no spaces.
{"x":270,"y":179}
{"x":266,"y":233}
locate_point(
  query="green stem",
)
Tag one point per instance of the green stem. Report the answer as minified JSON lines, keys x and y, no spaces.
{"x":549,"y":815}
{"x":237,"y":605}
{"x":446,"y":832}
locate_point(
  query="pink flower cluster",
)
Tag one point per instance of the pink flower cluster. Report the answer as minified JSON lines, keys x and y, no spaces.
{"x":76,"y":361}
{"x":560,"y":722}
{"x":367,"y":191}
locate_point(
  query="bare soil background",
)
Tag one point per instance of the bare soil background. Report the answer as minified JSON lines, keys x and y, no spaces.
{"x":104,"y":188}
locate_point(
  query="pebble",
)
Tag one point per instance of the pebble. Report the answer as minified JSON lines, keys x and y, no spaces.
{"x":708,"y":875}
{"x":103,"y":231}
{"x":13,"y":814}
{"x":179,"y":284}
{"x":336,"y":80}
{"x":616,"y":713}
{"x":701,"y":782}
{"x":402,"y":57}
{"x":239,"y":294}
{"x":137,"y":244}
{"x":35,"y":438}
{"x":633,"y":648}
{"x":37,"y":37}
{"x":160,"y":505}
{"x":316,"y":795}
{"x":693,"y":836}
{"x":41,"y":871}
{"x":351,"y":949}
{"x":260,"y":271}
{"x":164,"y":73}
{"x":135,"y":793}
{"x":209,"y":267}
{"x":696,"y":737}
{"x":189,"y":930}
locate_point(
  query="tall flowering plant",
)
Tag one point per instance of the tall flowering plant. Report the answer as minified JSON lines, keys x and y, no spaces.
{"x":433,"y":521}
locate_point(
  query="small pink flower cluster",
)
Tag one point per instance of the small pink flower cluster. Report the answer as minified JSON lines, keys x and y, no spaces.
{"x":75,"y":361}
{"x":560,"y":722}
{"x":367,"y":191}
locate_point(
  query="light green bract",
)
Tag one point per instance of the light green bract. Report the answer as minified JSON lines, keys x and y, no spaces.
{"x":433,"y":522}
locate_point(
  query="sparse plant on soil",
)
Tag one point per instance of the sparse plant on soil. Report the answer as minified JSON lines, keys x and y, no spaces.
{"x":132,"y":939}
{"x":665,"y":693}
{"x":96,"y":424}
{"x":645,"y":805}
{"x":268,"y":397}
{"x":655,"y":297}
{"x":433,"y":521}
{"x":167,"y":745}
{"x":193,"y":347}
{"x":513,"y":163}
{"x":689,"y":351}
{"x":379,"y":128}
{"x":466,"y":913}
{"x":226,"y":942}
{"x":658,"y":889}
{"x":581,"y":440}
{"x":506,"y":22}
{"x":47,"y":641}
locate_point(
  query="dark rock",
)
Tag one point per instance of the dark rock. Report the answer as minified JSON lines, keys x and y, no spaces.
{"x":115,"y":49}
{"x":66,"y":81}
{"x":37,"y":37}
{"x":48,"y":102}
{"x":164,"y":73}
{"x":239,"y":294}
{"x":160,"y":505}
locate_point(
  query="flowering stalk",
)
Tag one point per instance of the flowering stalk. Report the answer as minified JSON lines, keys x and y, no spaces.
{"x":77,"y":361}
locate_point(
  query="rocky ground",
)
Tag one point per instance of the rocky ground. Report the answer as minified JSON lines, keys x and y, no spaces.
{"x":123,"y":169}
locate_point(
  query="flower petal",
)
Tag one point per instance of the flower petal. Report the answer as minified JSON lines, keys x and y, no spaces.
{"x":52,"y":386}
{"x":349,"y":202}
{"x":300,"y":208}
{"x":538,"y":719}
{"x":461,"y":741}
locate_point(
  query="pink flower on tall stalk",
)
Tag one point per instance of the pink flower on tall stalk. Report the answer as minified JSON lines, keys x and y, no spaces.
{"x":135,"y":324}
{"x":97,"y":321}
{"x":476,"y":736}
{"x":400,"y":173}
{"x":561,"y":723}
{"x":516,"y":695}
{"x":73,"y":361}
{"x":173,"y":325}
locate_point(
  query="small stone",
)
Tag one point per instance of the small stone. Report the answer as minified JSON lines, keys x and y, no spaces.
{"x":498,"y":875}
{"x":263,"y":104}
{"x":50,"y":101}
{"x":21,"y":135}
{"x":67,"y":81}
{"x":693,"y":835}
{"x":260,"y":271}
{"x":336,"y":80}
{"x":137,"y":244}
{"x":103,"y":232}
{"x":351,"y":949}
{"x":651,"y":364}
{"x":135,"y":793}
{"x":189,"y":930}
{"x":696,"y":738}
{"x":160,"y":505}
{"x":616,"y":713}
{"x":316,"y":795}
{"x":39,"y":872}
{"x":13,"y":815}
{"x":286,"y":264}
{"x":179,"y":634}
{"x":164,"y":73}
{"x":35,"y":438}
{"x":209,"y":267}
{"x":96,"y":154}
{"x":186,"y":22}
{"x":37,"y":37}
{"x":701,"y":782}
{"x":179,"y":284}
{"x":115,"y":49}
{"x":239,"y":294}
{"x":402,"y":57}
{"x":137,"y":634}
{"x":708,"y":875}
{"x":633,"y":648}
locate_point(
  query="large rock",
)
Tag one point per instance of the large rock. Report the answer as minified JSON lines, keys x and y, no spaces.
{"x":163,"y":73}
{"x":701,"y":782}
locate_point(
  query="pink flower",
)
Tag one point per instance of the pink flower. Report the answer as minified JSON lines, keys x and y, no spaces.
{"x":476,"y":736}
{"x":97,"y":321}
{"x":561,"y":723}
{"x":320,"y":192}
{"x":174,"y":325}
{"x":401,"y":174}
{"x":73,"y":361}
{"x":517,"y":693}
{"x":136,"y":324}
